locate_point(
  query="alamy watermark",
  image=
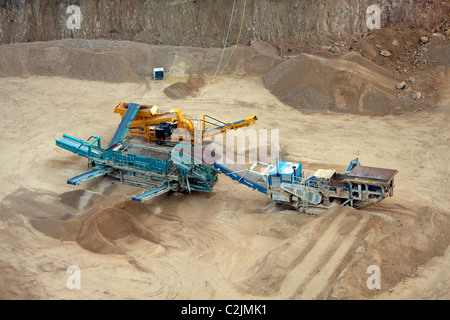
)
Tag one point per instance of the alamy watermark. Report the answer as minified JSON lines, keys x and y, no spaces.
{"x":75,"y":18}
{"x":373,"y":14}
{"x":374,"y":281}
{"x":74,"y":11}
{"x":236,"y":146}
{"x":74,"y":280}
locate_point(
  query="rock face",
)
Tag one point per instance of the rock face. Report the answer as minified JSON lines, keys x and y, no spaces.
{"x":203,"y":23}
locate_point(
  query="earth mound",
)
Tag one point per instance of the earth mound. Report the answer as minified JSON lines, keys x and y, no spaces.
{"x":347,"y":84}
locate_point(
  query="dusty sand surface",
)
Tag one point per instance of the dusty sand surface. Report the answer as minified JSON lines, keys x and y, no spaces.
{"x":232,"y":243}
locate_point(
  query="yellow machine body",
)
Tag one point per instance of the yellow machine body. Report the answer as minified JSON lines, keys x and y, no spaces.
{"x":149,"y":117}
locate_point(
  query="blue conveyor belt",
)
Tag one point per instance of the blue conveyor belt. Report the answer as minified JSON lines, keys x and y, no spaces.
{"x":90,"y":175}
{"x":147,"y":195}
{"x":79,"y":147}
{"x":241,"y":175}
{"x":124,"y":125}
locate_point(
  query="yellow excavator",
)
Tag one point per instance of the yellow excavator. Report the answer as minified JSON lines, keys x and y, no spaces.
{"x":156,"y":125}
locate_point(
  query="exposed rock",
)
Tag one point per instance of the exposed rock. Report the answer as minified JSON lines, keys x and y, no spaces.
{"x":335,"y":49}
{"x":326,"y":48}
{"x":416,"y":95}
{"x":439,"y":36}
{"x":424,"y":40}
{"x":204,"y":23}
{"x":385,"y":53}
{"x":401,"y":85}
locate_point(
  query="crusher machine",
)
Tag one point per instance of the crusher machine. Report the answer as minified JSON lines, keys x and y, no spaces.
{"x":286,"y":183}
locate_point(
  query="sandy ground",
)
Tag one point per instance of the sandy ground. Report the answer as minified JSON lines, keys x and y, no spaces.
{"x":232,"y":243}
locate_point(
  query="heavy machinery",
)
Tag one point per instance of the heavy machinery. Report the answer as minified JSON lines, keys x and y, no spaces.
{"x":141,"y":165}
{"x":161,"y":168}
{"x":286,"y":183}
{"x":164,"y":127}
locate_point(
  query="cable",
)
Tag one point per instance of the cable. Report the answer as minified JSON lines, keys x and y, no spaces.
{"x":223,"y":51}
{"x":226,"y":39}
{"x":237,"y":42}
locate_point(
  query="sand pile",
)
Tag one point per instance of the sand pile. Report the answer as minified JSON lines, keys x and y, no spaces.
{"x":96,"y":230}
{"x":96,"y":227}
{"x":347,"y":83}
{"x":181,"y":90}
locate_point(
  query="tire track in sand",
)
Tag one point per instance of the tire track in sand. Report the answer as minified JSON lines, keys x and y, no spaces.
{"x":312,"y":275}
